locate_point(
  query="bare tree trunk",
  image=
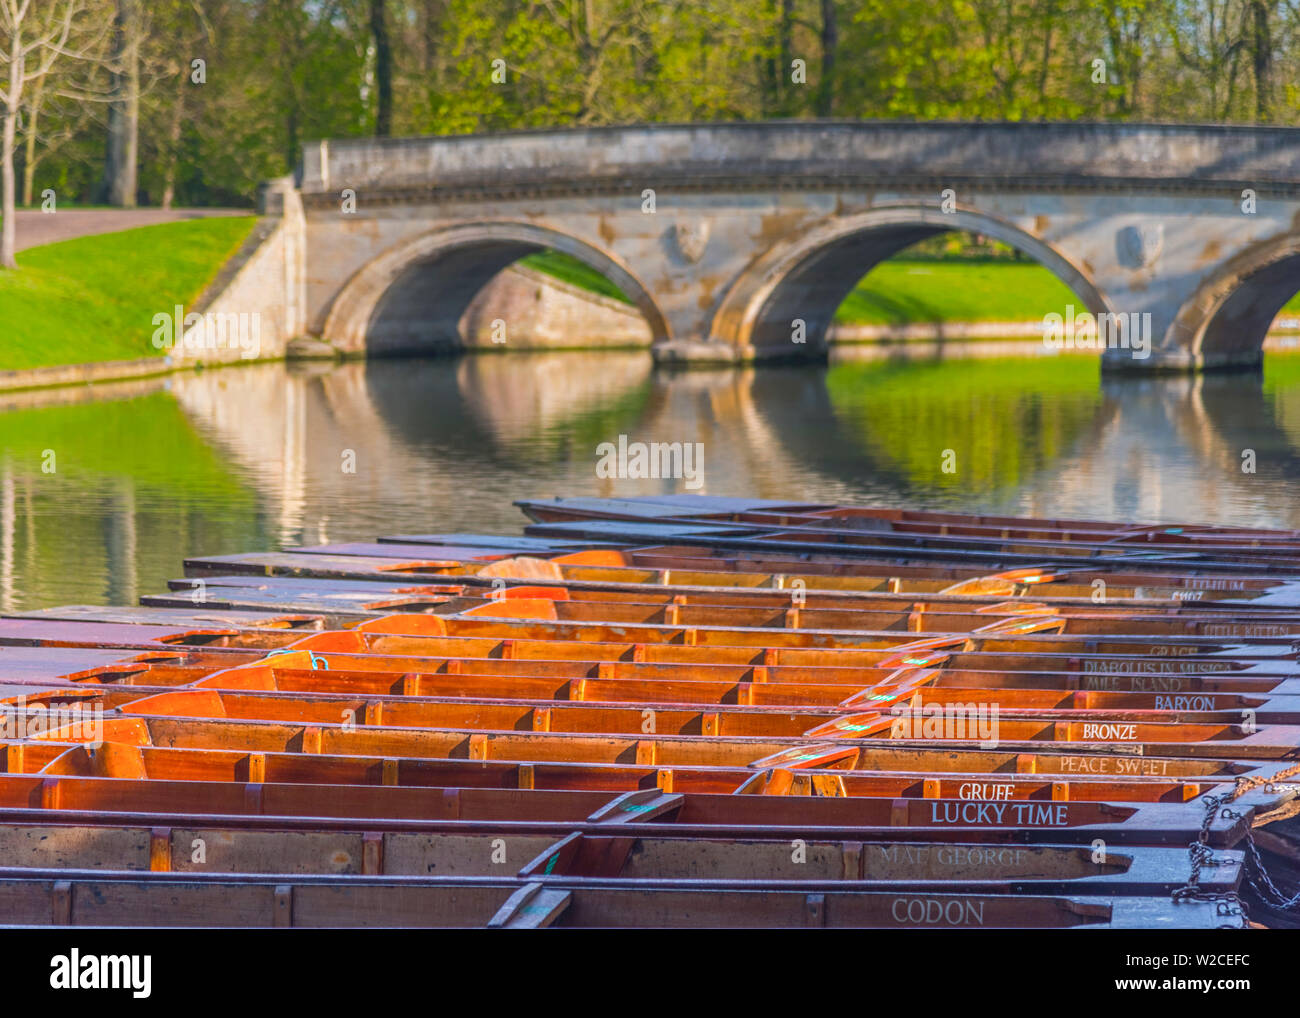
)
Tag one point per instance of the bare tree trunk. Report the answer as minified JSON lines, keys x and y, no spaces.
{"x":29,"y":143}
{"x":173,"y":142}
{"x":785,"y":33}
{"x":1044,"y":70}
{"x":1262,"y":52}
{"x":291,"y":140}
{"x":426,"y":36}
{"x":120,"y":159}
{"x":383,"y":69}
{"x":7,"y":139}
{"x":830,"y":43}
{"x":49,"y":42}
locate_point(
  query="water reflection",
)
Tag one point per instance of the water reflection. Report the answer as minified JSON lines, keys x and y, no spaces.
{"x":103,"y":492}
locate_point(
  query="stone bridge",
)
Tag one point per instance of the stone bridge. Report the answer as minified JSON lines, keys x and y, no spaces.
{"x":739,"y":241}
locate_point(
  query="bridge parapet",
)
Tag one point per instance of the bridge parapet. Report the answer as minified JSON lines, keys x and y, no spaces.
{"x":825,"y":153}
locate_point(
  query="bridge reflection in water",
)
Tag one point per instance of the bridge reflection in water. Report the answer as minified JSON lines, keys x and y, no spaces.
{"x":270,"y":455}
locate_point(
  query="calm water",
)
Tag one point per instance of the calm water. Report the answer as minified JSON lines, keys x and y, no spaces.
{"x":103,"y":492}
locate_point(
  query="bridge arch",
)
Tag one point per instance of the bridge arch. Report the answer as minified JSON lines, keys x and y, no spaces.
{"x":807,"y":276}
{"x":1226,"y":320}
{"x":410,"y":298}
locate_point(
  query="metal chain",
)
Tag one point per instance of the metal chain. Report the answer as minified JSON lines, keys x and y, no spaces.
{"x":1269,"y":889}
{"x":1200,"y":855}
{"x":1230,"y":903}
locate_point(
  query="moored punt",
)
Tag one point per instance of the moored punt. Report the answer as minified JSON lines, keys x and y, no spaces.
{"x":760,"y":608}
{"x":651,"y":566}
{"x":671,"y":712}
{"x":98,"y":899}
{"x":1241,"y":557}
{"x":761,"y":515}
{"x":715,"y":509}
{"x":879,"y":865}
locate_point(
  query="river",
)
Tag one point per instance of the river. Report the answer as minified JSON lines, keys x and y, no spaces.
{"x":104,"y":491}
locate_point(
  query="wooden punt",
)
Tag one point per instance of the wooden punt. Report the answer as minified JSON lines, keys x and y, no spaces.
{"x":934,"y":527}
{"x":762,"y":608}
{"x":756,"y":859}
{"x":667,"y":566}
{"x":1266,"y":559}
{"x":714,"y":509}
{"x":671,"y":713}
{"x":67,"y":898}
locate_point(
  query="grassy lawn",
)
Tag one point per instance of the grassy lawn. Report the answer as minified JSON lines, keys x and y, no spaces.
{"x":570,"y":270}
{"x":898,"y":292}
{"x":94,"y":298}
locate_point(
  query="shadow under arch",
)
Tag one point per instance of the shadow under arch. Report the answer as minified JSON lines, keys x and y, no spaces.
{"x":807,"y":276}
{"x":410,"y":298}
{"x":1226,"y":320}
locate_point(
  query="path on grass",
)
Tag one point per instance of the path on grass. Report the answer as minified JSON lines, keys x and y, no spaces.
{"x":34,"y":227}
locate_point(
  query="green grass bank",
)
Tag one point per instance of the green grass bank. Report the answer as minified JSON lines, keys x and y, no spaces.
{"x":93,"y":299}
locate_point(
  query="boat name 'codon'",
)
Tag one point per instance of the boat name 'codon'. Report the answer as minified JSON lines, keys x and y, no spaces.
{"x":933,"y":912}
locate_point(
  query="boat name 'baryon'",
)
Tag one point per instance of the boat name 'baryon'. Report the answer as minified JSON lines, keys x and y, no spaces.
{"x":638,"y":460}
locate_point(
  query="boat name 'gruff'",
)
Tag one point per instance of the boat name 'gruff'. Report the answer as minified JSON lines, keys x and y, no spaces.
{"x":984,"y":790}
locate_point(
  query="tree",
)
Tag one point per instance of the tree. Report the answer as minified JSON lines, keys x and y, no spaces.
{"x":34,"y":37}
{"x":829,"y":42}
{"x":50,"y":121}
{"x":1261,"y":47}
{"x":1210,"y":38}
{"x":180,"y":30}
{"x":1126,"y":26}
{"x":383,"y":70}
{"x":122,"y":154}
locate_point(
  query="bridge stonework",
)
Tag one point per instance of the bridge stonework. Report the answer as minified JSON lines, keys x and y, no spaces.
{"x":727,"y":237}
